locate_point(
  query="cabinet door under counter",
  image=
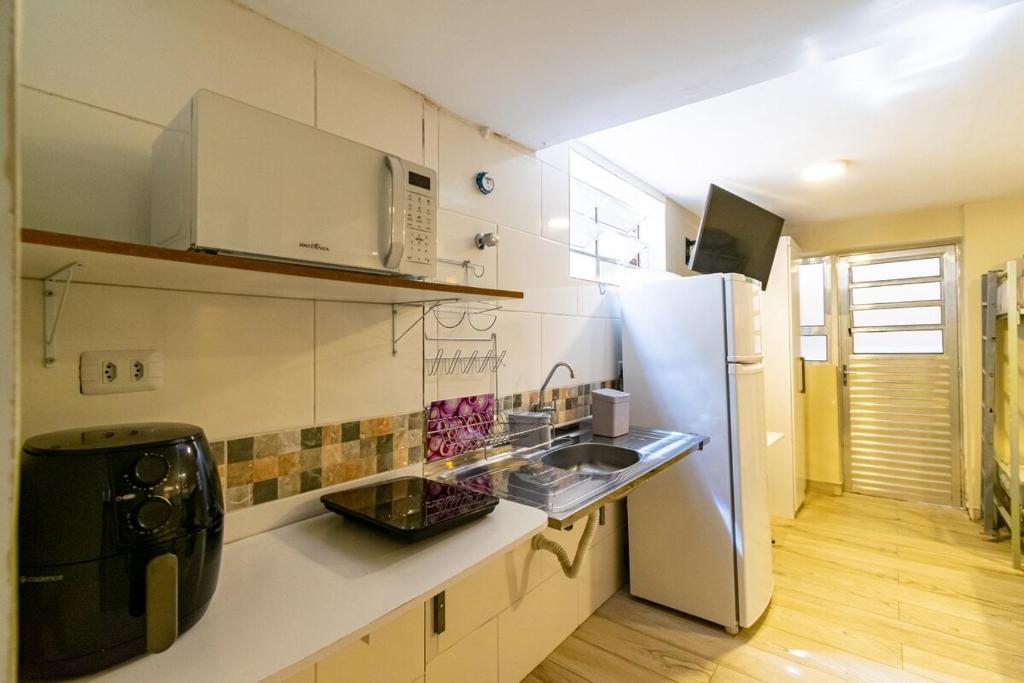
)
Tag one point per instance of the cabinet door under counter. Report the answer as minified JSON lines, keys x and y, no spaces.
{"x":391,"y":654}
{"x":501,"y":619}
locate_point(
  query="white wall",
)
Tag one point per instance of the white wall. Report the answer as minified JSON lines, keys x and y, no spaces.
{"x":9,"y":440}
{"x":100,"y":80}
{"x":681,"y":224}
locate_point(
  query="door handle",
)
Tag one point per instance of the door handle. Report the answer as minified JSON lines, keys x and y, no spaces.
{"x":439,"y":613}
{"x":846,"y":375}
{"x":803,"y":375}
{"x":161,"y":602}
{"x":392,"y":229}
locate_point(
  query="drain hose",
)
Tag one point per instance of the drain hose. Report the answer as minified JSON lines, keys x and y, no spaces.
{"x":570,"y":567}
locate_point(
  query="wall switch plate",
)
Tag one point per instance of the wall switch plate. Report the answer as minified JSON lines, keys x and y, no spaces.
{"x":118,"y":372}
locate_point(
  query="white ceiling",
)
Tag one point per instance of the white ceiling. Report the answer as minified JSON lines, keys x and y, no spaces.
{"x":546,"y":71}
{"x":935,"y":116}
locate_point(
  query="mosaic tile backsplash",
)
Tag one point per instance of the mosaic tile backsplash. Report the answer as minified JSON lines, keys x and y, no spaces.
{"x":571,"y":403}
{"x":266,"y":467}
{"x":258,"y":469}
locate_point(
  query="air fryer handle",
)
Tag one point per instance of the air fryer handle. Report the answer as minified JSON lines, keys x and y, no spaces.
{"x":161,"y":602}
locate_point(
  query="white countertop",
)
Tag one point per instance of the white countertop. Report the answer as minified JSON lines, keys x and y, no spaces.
{"x":284,"y":596}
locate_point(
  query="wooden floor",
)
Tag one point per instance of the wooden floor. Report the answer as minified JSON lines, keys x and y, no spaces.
{"x":865,"y":590}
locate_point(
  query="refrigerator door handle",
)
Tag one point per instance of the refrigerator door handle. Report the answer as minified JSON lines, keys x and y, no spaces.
{"x":745,"y":368}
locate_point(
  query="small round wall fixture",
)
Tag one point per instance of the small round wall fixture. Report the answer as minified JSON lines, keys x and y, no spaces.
{"x":484,"y":182}
{"x":486,"y":239}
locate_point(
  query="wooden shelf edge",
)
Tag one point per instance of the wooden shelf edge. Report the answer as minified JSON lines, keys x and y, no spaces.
{"x":67,"y":241}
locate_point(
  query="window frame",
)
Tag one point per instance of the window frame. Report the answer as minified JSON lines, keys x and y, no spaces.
{"x":652,"y":255}
{"x":825,"y":329}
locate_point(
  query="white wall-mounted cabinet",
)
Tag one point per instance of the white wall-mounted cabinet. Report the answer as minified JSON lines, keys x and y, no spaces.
{"x":785,"y":384}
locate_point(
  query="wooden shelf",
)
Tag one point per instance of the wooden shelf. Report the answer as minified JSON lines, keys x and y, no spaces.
{"x":140,"y":265}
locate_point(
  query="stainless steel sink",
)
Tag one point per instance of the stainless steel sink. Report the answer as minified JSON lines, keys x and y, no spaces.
{"x":591,"y":458}
{"x":569,"y":480}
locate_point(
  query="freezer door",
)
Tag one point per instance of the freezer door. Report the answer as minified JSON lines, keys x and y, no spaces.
{"x":674,"y":355}
{"x":753,"y":540}
{"x":743,"y":319}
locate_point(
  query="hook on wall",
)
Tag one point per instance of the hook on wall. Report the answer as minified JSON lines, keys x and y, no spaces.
{"x":478,"y":269}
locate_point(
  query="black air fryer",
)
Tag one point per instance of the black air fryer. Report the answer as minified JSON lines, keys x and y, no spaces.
{"x":119,"y":544}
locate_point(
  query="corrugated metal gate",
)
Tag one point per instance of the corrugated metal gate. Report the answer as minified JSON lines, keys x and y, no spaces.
{"x":900,"y":374}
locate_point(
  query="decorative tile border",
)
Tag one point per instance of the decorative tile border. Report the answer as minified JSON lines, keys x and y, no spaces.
{"x":266,"y":467}
{"x":571,"y":403}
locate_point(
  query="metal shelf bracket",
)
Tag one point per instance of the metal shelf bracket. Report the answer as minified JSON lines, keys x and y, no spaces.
{"x":55,"y":295}
{"x":428,"y":307}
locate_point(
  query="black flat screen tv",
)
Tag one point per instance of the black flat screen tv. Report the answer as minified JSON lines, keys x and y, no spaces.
{"x":736,"y":236}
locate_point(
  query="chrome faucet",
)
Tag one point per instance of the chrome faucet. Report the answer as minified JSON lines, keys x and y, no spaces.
{"x":550,"y":407}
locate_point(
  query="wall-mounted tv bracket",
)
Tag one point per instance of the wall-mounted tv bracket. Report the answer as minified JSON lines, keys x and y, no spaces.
{"x":55,"y":294}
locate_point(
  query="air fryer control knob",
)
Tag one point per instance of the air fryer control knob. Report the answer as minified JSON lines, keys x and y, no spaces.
{"x":150,"y":470}
{"x":152,"y":513}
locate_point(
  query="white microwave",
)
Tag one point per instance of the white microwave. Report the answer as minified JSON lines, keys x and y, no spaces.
{"x":228,"y":177}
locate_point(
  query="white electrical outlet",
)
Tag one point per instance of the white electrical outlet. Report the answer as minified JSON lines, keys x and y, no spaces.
{"x":116,"y":372}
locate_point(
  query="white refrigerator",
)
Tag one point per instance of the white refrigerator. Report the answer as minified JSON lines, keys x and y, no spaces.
{"x":699,"y":533}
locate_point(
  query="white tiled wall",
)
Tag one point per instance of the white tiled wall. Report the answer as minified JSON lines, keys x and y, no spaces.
{"x":358,"y":104}
{"x":520,"y":335}
{"x":86,"y":170}
{"x":101,"y":77}
{"x":145,"y":59}
{"x":464,"y":152}
{"x":540,"y":269}
{"x":555,"y":203}
{"x":235,"y":365}
{"x":357,"y":377}
{"x":456,"y":235}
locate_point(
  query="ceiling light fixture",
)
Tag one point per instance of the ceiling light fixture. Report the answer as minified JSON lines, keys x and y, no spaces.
{"x":825,"y":171}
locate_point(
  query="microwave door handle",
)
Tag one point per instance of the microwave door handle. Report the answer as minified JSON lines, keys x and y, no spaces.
{"x":392,"y":238}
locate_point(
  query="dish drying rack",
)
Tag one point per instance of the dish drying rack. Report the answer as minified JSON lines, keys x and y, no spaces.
{"x":449,"y":363}
{"x":473,"y":363}
{"x":492,"y":431}
{"x":491,"y":428}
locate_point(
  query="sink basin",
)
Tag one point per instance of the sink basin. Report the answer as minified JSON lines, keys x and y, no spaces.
{"x":591,"y":458}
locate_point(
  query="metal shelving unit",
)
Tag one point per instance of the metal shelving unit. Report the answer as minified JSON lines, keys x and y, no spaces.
{"x":1001,"y":480}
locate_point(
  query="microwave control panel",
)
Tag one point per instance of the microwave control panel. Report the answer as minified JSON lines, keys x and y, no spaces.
{"x":420,"y":228}
{"x":420,"y":219}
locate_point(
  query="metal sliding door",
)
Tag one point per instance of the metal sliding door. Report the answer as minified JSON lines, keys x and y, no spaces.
{"x":900,"y":374}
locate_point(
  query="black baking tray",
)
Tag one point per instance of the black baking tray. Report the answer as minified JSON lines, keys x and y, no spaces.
{"x":410,"y":508}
